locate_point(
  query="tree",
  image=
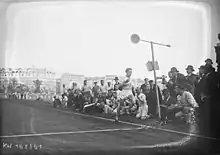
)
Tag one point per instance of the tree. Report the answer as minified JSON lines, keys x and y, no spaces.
{"x":13,"y":83}
{"x":2,"y":71}
{"x":37,"y":84}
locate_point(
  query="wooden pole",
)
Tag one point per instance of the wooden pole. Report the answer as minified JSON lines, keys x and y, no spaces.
{"x":155,"y":79}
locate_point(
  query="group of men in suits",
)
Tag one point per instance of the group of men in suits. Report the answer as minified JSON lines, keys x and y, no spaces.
{"x":205,"y":88}
{"x":195,"y":84}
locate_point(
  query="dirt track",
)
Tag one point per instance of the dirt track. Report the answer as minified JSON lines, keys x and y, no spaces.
{"x":87,"y":134}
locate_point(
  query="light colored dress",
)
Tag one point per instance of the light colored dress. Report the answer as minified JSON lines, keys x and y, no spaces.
{"x":143,"y":107}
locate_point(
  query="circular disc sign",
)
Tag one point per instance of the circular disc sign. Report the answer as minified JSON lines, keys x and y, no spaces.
{"x":135,"y":38}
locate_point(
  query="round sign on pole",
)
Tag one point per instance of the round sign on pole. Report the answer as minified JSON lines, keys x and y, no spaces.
{"x":135,"y":38}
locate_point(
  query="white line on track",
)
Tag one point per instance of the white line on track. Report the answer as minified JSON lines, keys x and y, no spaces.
{"x":183,"y":133}
{"x":102,"y":118}
{"x":169,"y":144}
{"x":71,"y":132}
{"x":142,"y":125}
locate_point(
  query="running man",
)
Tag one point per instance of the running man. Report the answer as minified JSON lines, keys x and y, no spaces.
{"x":126,"y":92}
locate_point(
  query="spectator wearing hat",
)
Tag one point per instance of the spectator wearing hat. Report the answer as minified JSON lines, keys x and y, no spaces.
{"x":199,"y":95}
{"x":210,"y":96}
{"x":200,"y":85}
{"x":177,"y":77}
{"x":209,"y":63}
{"x":116,"y":83}
{"x":152,"y":99}
{"x":211,"y":79}
{"x":191,"y":78}
{"x":145,"y":88}
{"x":170,"y":84}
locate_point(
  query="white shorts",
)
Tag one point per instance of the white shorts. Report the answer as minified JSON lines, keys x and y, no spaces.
{"x":125,"y":93}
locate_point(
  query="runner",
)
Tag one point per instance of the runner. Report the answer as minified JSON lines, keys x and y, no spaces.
{"x":126,"y":92}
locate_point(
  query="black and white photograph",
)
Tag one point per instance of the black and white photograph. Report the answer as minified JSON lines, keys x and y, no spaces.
{"x":110,"y":77}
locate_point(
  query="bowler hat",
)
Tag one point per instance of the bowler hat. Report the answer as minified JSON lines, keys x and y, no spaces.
{"x":146,"y":79}
{"x":127,"y":69}
{"x":151,"y":81}
{"x":202,"y":67}
{"x":181,"y":86}
{"x":209,"y":60}
{"x":190,"y":67}
{"x":116,"y":78}
{"x":173,"y":69}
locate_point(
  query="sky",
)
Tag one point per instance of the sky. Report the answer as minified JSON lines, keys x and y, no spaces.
{"x":93,"y":38}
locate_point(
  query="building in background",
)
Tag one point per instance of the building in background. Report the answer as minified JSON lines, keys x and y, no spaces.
{"x":110,"y":78}
{"x":67,"y":79}
{"x":139,"y":82}
{"x":91,"y":80}
{"x":27,"y":76}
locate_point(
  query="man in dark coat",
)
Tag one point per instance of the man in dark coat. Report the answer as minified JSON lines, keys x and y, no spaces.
{"x":145,"y":87}
{"x":200,"y":85}
{"x":191,"y":78}
{"x":170,"y":85}
{"x":209,"y":63}
{"x":70,"y":97}
{"x":152,"y":98}
{"x":178,"y":78}
{"x":206,"y":90}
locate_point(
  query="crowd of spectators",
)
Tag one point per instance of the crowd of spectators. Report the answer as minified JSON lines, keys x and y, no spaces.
{"x":178,"y":101}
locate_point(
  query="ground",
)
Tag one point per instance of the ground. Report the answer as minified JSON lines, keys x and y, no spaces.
{"x":56,"y":130}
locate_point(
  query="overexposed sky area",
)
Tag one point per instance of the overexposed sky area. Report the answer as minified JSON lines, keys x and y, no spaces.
{"x":93,"y":38}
